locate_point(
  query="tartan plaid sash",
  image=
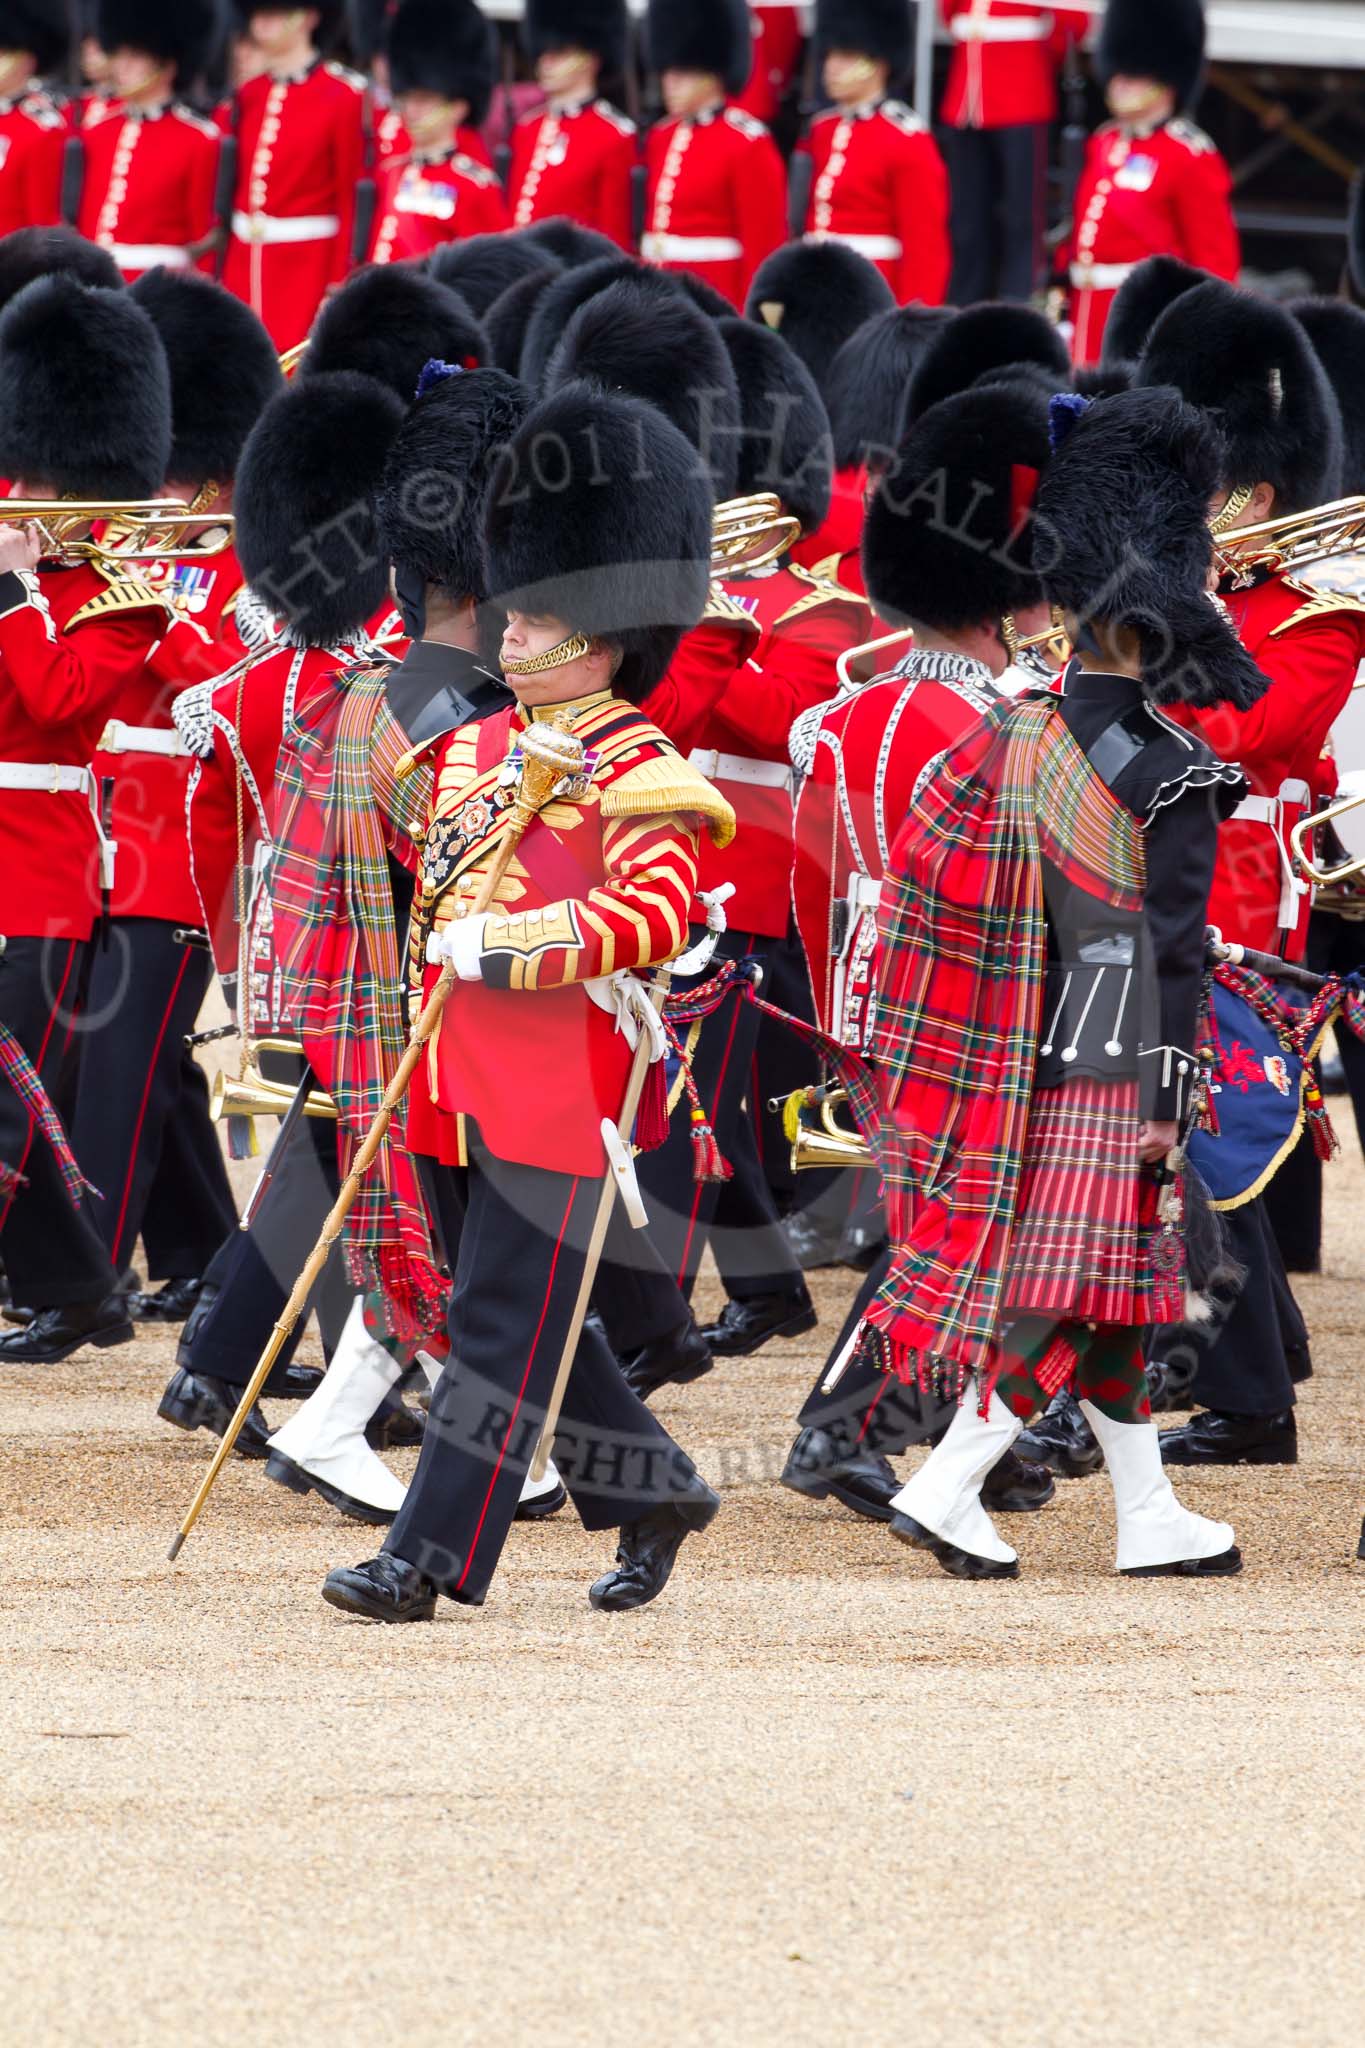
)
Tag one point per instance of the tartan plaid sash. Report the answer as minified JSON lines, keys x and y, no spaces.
{"x":342,"y":811}
{"x":18,"y":1069}
{"x":963,"y":953}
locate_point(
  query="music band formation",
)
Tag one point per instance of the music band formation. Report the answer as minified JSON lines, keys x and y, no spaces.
{"x":705,"y":748}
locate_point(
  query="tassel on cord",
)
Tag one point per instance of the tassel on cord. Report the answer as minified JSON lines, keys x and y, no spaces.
{"x":651,"y":1118}
{"x":708,"y":1163}
{"x":1325,"y":1139}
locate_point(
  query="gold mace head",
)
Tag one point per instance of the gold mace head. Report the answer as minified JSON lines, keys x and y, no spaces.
{"x":550,"y":755}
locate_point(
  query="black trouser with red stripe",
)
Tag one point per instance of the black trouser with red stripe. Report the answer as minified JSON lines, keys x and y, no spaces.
{"x":520,"y":1235}
{"x":139,"y":1110}
{"x":54,"y":1252}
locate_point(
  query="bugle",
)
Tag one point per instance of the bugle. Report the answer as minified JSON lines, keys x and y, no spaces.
{"x":814,"y":1132}
{"x":250,"y":1093}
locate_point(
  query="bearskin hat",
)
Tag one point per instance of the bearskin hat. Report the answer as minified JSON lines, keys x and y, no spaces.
{"x":307,"y":533}
{"x":1123,"y":538}
{"x":701,"y":35}
{"x":366,"y":23}
{"x":600,"y":26}
{"x":1161,"y":39}
{"x":445,"y":47}
{"x":568,"y":242}
{"x":881,"y":29}
{"x":948,"y":538}
{"x":387,"y":322}
{"x":85,"y":393}
{"x":1336,"y":330}
{"x":436,"y":476}
{"x":482,"y":267}
{"x":986,"y":338}
{"x":40,"y":26}
{"x":704,"y":296}
{"x":506,"y":321}
{"x":644,"y":336}
{"x":1355,"y":239}
{"x":184,"y":33}
{"x":816,"y":294}
{"x":616,"y":540}
{"x":223,"y":365}
{"x":39,"y":252}
{"x":869,"y":380}
{"x":555,"y":308}
{"x":1250,"y":364}
{"x":785,"y":439}
{"x":1139,"y":303}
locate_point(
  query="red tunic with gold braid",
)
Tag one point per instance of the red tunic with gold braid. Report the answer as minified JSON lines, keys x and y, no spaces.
{"x":149,"y":187}
{"x":602,"y":881}
{"x":575,"y":160}
{"x":423,"y":202}
{"x":879,"y":184}
{"x":300,"y":149}
{"x":1310,"y":644}
{"x":33,"y":131}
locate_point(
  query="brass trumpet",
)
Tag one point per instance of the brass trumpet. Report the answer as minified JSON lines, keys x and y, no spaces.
{"x":814,"y":1132}
{"x":1292,"y":541}
{"x":251,"y":1094}
{"x":140,"y":529}
{"x":1330,"y":879}
{"x":749,"y":533}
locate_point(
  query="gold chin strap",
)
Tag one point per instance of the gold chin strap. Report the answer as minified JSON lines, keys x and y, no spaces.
{"x":1236,"y":505}
{"x":205,"y":495}
{"x":568,"y":650}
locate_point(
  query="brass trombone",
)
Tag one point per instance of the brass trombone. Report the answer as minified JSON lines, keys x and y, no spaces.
{"x":251,"y":1094}
{"x":140,"y":529}
{"x":1292,"y":541}
{"x":1330,"y":882}
{"x":749,"y":533}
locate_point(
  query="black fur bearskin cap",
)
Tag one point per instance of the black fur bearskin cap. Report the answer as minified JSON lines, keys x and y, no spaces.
{"x":307,"y":531}
{"x":27,"y":253}
{"x":85,"y":391}
{"x":599,"y":515}
{"x":816,"y":294}
{"x":388,"y":322}
{"x":785,"y":438}
{"x":223,"y":365}
{"x":482,"y":267}
{"x":1123,"y":539}
{"x":869,"y":382}
{"x":445,"y":47}
{"x":1139,"y":303}
{"x":701,"y":35}
{"x":437,"y":472}
{"x":881,"y":29}
{"x":1336,"y":330}
{"x":986,"y":338}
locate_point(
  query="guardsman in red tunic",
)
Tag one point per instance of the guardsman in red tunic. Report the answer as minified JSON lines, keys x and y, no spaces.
{"x":717,"y":194}
{"x":307,"y":540}
{"x":84,"y":414}
{"x":441,"y":75}
{"x":948,"y":551}
{"x":998,"y":108}
{"x":1153,"y":184}
{"x":878,"y":182}
{"x":1251,"y":364}
{"x":300,"y":129}
{"x":777,"y":40}
{"x":150,"y":179}
{"x":33,"y":127}
{"x":597,"y":580}
{"x":575,"y":158}
{"x":142,"y":1107}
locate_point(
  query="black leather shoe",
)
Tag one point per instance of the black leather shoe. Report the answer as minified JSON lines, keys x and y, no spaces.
{"x":818,"y":1466}
{"x":676,"y":1360}
{"x":192,"y":1401}
{"x":198,"y":1316}
{"x":285,"y":1472}
{"x":1062,"y":1440}
{"x":297,"y":1382}
{"x":745,"y":1325}
{"x":1013,"y":1488}
{"x":20,"y":1318}
{"x":172,"y":1302}
{"x":541,"y":1506}
{"x":959,"y":1564}
{"x":394,"y":1426}
{"x":54,"y":1333}
{"x":388,"y":1588}
{"x":1213,"y":1438}
{"x":648,"y":1549}
{"x":1226,"y":1565}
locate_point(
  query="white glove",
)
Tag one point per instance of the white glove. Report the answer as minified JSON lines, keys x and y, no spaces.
{"x":460,"y":946}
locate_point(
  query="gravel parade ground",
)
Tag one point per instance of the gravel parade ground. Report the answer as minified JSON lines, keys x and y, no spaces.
{"x":817,"y":1794}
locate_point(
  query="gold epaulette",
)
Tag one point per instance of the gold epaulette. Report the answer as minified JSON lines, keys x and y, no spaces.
{"x":823,"y":590}
{"x":125,"y":593}
{"x":722,"y":610}
{"x":663,"y":783}
{"x":1321,"y":603}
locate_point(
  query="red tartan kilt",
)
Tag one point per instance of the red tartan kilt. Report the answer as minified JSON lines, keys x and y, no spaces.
{"x":1085,"y":1219}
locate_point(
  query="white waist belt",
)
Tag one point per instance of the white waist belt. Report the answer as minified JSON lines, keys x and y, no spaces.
{"x":1100,"y":277}
{"x":876,"y":248}
{"x":146,"y":255}
{"x":296,"y":227}
{"x":48,"y":776}
{"x":1258,"y":810}
{"x":968,"y":28}
{"x":118,"y":738}
{"x":739,"y":768}
{"x":661,"y":248}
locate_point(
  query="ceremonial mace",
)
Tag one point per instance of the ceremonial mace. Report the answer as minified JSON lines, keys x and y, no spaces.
{"x":549,"y":754}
